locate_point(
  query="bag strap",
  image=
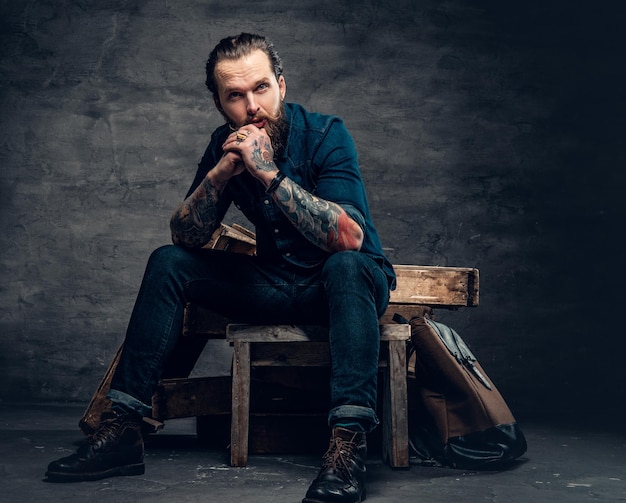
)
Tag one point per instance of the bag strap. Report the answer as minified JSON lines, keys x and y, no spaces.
{"x":398,"y":318}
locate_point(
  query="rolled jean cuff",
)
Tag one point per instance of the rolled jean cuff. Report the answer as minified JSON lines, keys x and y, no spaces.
{"x":129,"y":402}
{"x":364,"y":415}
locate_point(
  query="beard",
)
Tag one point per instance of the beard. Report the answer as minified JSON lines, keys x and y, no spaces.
{"x":277,"y":129}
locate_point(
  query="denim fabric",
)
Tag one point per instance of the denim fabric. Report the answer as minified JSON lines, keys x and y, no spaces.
{"x":349,"y":291}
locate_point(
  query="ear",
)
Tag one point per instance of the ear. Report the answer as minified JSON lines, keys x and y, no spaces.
{"x":282,"y":87}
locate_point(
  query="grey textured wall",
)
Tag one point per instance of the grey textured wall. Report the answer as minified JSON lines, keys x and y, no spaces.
{"x":490,"y":135}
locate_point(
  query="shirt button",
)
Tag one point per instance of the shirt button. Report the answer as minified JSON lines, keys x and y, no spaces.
{"x":266,"y":201}
{"x":276,"y":231}
{"x":287,"y":254}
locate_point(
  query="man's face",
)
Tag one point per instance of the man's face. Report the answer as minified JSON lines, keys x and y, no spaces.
{"x":248,"y":92}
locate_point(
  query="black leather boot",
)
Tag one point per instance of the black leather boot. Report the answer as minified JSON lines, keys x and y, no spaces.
{"x":342,"y":476}
{"x":116,"y":448}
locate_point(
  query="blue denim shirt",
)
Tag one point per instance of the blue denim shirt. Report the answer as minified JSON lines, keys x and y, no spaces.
{"x":320,"y":157}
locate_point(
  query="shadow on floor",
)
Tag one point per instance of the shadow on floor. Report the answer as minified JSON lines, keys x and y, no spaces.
{"x":562,"y":465}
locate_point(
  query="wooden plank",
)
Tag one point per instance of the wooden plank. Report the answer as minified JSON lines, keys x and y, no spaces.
{"x":99,"y":401}
{"x":418,"y":287}
{"x":301,"y":333}
{"x":246,"y":232}
{"x":189,"y":397}
{"x":396,"y":425}
{"x":290,"y":354}
{"x":417,"y":284}
{"x":240,"y":405}
{"x":235,"y":239}
{"x":435,"y":286}
{"x":306,"y":353}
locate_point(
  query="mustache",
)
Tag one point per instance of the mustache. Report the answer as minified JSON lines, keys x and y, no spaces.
{"x":276,"y":127}
{"x":273,"y":123}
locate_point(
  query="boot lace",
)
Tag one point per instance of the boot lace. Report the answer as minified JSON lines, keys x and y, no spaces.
{"x":106,"y":431}
{"x":339,"y":456}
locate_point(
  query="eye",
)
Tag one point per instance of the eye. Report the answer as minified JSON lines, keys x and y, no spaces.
{"x":263,"y":87}
{"x":234,"y":96}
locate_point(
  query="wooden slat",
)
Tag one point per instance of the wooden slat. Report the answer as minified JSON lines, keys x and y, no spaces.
{"x":187,"y":397}
{"x":417,"y":286}
{"x":303,"y":353}
{"x":235,"y":239}
{"x":301,"y":333}
{"x":290,"y":354}
{"x":435,"y":286}
{"x":426,"y":285}
{"x":99,"y":401}
{"x":396,"y":425}
{"x":240,"y":405}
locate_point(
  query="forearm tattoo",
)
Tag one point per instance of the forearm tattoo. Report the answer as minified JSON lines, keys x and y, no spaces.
{"x":195,"y":219}
{"x":323,"y":223}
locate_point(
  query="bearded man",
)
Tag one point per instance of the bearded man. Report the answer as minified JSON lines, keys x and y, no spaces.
{"x":295,"y":176}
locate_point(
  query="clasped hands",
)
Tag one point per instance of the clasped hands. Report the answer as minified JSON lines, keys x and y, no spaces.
{"x":250,"y":148}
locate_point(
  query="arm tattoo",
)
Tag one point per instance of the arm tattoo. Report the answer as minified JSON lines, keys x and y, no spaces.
{"x":322,"y":222}
{"x":195,"y":219}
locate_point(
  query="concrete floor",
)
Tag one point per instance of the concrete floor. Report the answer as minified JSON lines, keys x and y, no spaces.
{"x":561,"y":465}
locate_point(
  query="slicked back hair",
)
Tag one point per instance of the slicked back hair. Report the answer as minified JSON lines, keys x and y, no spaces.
{"x":236,"y":47}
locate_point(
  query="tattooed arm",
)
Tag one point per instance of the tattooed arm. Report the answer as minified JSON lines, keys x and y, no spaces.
{"x":324,"y":223}
{"x":195,"y":219}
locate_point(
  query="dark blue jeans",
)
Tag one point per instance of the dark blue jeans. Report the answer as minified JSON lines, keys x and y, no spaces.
{"x":349,"y":292}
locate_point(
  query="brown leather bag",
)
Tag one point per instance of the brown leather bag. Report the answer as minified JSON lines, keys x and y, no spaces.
{"x":457,"y":417}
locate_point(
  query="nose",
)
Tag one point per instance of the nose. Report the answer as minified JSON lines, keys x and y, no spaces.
{"x":251,"y":105}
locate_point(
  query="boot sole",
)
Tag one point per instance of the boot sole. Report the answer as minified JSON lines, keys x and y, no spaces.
{"x":126,"y":470}
{"x":309,"y":500}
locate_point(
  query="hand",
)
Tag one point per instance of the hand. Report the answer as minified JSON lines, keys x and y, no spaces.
{"x":228,"y":166}
{"x":254,"y":148}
